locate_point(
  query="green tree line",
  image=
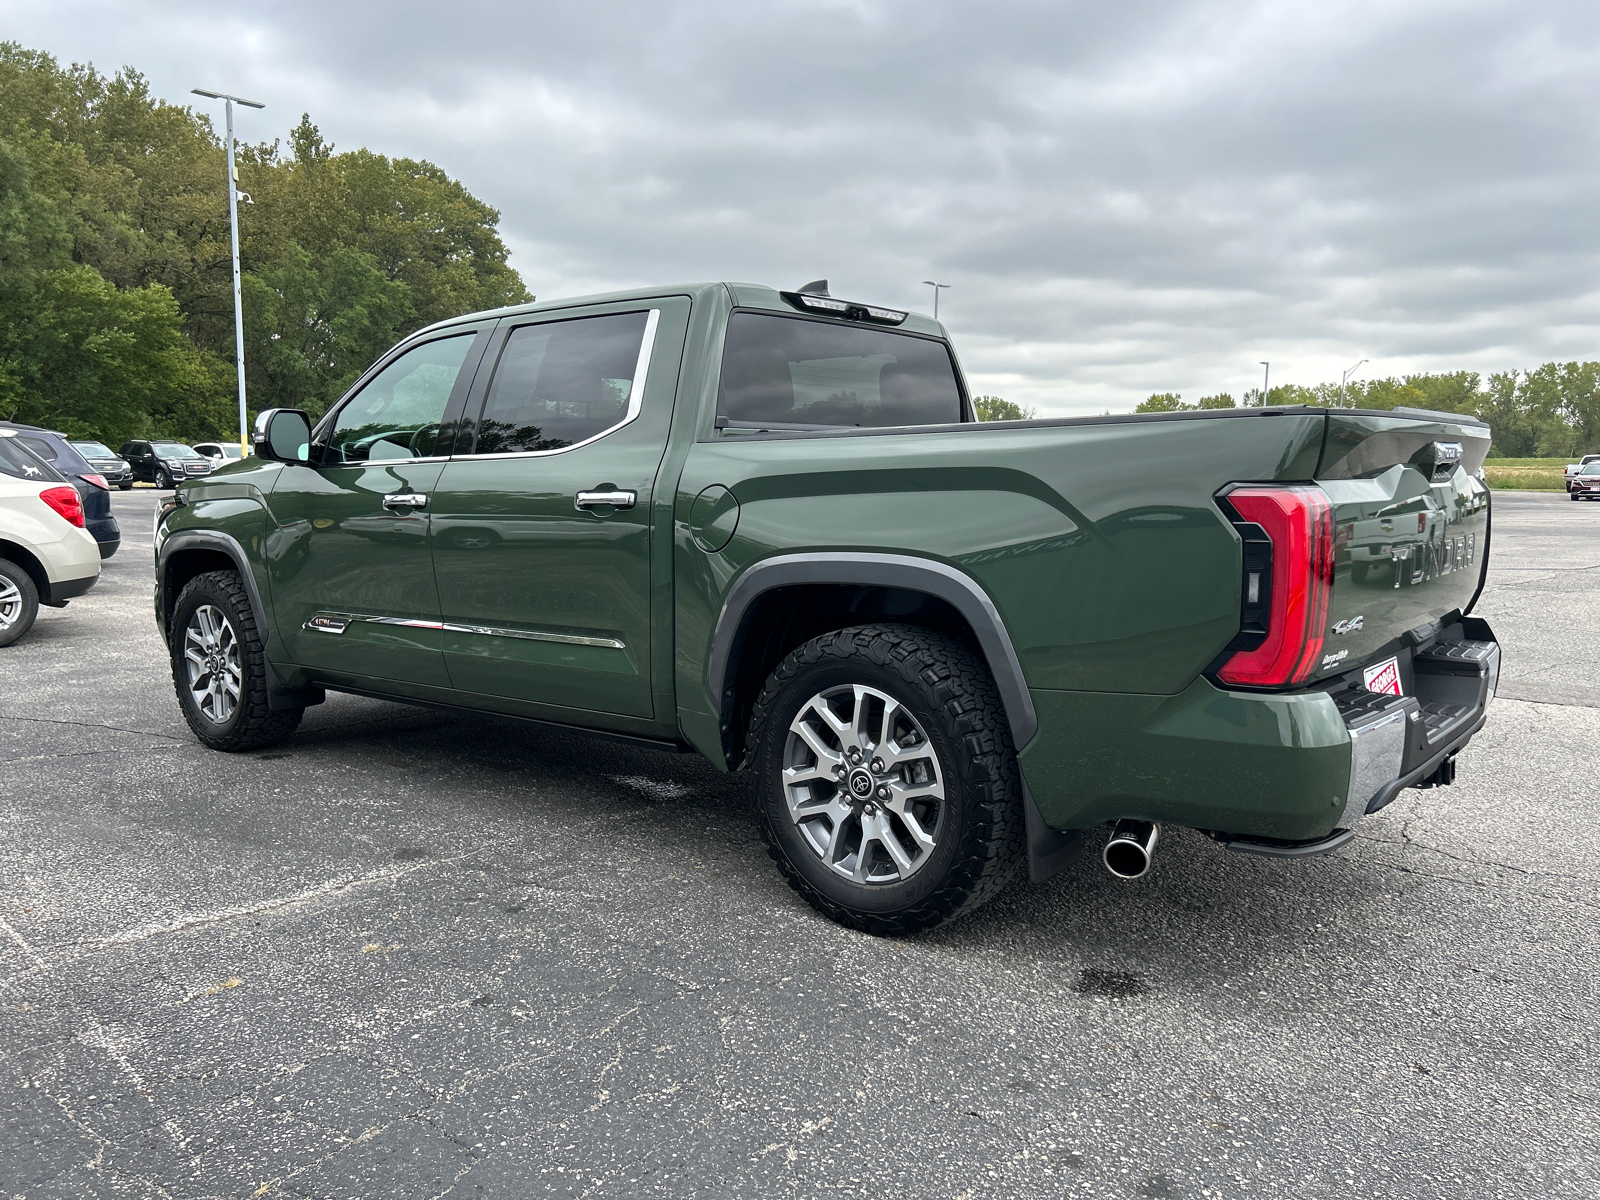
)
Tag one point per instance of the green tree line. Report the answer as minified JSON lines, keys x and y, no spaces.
{"x":1552,"y":411}
{"x":116,"y":294}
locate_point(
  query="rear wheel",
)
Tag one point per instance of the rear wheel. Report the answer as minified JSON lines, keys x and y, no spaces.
{"x":219,"y":667}
{"x":19,"y":602}
{"x":886,"y":784}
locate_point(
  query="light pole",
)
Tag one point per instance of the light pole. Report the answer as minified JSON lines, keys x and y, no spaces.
{"x":935,"y":287}
{"x":233,"y":228}
{"x":1265,"y":376}
{"x":1345,"y":378}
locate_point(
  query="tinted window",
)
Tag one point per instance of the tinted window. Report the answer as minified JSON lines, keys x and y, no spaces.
{"x":398,"y":414}
{"x":793,"y":372}
{"x":22,"y":464}
{"x":561,"y":383}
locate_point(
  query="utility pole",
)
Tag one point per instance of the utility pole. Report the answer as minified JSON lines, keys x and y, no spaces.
{"x":1344,"y":379}
{"x":233,"y":228}
{"x":935,"y":287}
{"x":1266,"y":376}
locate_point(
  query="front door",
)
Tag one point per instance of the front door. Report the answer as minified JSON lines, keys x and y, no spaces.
{"x":351,"y":572}
{"x":541,"y":531}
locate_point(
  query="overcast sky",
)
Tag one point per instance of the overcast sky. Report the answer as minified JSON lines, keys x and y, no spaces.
{"x":1125,"y":198}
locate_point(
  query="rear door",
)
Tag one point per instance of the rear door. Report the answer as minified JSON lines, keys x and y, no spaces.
{"x":352,"y":576}
{"x":541,"y":520}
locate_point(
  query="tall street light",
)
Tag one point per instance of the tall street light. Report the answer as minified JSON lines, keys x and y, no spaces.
{"x":1265,"y":376}
{"x":233,"y":227}
{"x":935,"y":287}
{"x":1345,"y":378}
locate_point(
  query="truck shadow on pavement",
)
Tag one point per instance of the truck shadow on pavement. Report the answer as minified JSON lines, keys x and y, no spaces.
{"x":1203,"y":917}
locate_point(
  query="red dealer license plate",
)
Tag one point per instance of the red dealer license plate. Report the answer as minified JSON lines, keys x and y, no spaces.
{"x":1384,"y":677}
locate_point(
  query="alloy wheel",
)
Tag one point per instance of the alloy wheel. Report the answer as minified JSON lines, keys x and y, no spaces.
{"x":10,"y":603}
{"x":863,"y":785}
{"x":211,"y":656}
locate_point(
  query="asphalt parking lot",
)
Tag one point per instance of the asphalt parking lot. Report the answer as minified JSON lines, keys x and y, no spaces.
{"x":420,"y":955}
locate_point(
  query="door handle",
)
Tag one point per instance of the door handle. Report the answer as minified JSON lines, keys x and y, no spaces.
{"x":405,"y":500}
{"x":614,"y":499}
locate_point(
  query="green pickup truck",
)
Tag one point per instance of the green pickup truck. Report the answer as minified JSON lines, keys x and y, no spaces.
{"x":765,"y":526}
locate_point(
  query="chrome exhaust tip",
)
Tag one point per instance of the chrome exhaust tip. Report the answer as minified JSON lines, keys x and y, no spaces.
{"x":1127,"y":855}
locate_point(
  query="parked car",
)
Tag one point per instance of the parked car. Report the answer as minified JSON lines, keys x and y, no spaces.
{"x":164,"y":463}
{"x":1585,"y":484}
{"x":46,"y":554}
{"x":99,"y":456}
{"x":220,"y":453}
{"x":94,"y":489}
{"x":766,"y":526}
{"x":1573,"y":468}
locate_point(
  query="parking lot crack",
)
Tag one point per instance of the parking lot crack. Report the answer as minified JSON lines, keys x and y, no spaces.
{"x":93,"y":725}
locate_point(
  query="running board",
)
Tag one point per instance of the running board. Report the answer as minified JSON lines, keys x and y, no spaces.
{"x":1278,"y":849}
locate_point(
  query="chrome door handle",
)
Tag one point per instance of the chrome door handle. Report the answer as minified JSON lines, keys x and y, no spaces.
{"x":614,"y":499}
{"x":405,"y":500}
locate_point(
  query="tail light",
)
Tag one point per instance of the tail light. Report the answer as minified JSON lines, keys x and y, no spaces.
{"x":65,"y":501}
{"x":1288,"y":536}
{"x":98,"y":480}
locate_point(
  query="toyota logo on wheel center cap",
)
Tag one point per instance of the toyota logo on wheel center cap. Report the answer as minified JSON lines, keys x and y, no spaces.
{"x":861,"y":783}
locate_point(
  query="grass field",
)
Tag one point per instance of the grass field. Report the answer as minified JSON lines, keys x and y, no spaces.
{"x":1526,"y":474}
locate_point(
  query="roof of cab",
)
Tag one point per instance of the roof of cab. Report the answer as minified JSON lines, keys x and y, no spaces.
{"x":741,"y":295}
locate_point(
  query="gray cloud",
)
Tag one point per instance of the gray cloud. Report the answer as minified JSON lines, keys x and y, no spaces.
{"x":1142,"y":197}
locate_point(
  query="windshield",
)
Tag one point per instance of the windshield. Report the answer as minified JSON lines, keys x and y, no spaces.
{"x":798,"y":373}
{"x":228,"y":450}
{"x":175,"y":450}
{"x":1591,"y":469}
{"x":92,"y":450}
{"x":20,"y":463}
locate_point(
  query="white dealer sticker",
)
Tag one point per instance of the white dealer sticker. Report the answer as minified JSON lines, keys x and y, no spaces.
{"x":1385,"y":677}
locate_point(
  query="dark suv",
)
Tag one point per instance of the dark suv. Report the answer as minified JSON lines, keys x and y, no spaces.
{"x":164,"y":463}
{"x":93,"y":488}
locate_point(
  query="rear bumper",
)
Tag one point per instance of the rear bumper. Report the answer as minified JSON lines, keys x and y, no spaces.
{"x":1280,"y":774}
{"x":1397,"y":742}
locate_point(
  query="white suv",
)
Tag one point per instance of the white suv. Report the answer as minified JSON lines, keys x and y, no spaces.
{"x":46,"y":555}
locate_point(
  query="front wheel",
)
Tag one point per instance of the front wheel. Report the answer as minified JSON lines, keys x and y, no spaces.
{"x":123,"y":487}
{"x":886,"y":784}
{"x":163,"y":480}
{"x":19,"y":602}
{"x":219,"y":667}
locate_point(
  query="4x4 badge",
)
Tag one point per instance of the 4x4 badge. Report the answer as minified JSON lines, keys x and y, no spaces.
{"x":1350,"y":626}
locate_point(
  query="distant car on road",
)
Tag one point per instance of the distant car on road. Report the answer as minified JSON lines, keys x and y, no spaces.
{"x":1585,"y":484}
{"x":165,"y":463}
{"x":94,"y":490}
{"x":220,"y":453}
{"x":99,"y":456}
{"x":1573,"y":468}
{"x":46,"y":554}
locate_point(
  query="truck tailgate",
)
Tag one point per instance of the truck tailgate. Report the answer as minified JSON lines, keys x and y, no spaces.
{"x":1411,"y":532}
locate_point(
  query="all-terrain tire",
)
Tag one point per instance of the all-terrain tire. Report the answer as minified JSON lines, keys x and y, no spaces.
{"x":251,"y":724}
{"x":21,"y":607}
{"x":949,"y":691}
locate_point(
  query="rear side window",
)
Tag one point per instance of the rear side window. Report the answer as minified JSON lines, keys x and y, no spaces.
{"x":561,"y":383}
{"x":59,"y":454}
{"x":801,"y":374}
{"x":21,"y":463}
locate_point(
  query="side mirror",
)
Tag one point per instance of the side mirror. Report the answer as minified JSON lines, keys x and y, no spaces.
{"x":283,"y":435}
